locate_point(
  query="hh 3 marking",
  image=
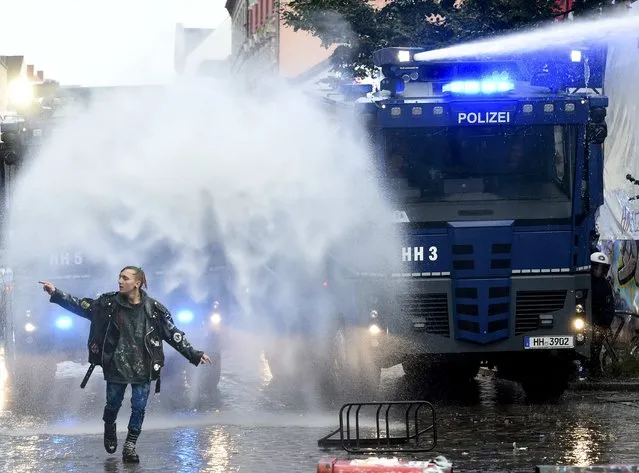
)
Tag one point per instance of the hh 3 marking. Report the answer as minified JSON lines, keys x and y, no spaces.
{"x":416,"y":253}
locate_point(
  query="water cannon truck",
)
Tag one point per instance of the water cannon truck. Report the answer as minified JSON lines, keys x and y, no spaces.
{"x":495,"y":171}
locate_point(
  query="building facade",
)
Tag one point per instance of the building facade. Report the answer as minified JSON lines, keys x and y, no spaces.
{"x":4,"y":85}
{"x":200,"y":51}
{"x":12,"y":69}
{"x":262,"y":42}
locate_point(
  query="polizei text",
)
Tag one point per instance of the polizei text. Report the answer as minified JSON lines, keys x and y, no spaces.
{"x":483,"y":117}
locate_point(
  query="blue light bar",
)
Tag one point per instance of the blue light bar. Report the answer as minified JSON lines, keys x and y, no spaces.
{"x":185,"y":316}
{"x":478,"y":87}
{"x":64,"y":322}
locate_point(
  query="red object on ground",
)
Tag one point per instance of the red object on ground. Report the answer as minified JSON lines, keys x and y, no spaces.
{"x":379,"y":465}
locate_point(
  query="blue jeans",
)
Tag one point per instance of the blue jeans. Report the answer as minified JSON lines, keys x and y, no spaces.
{"x":114,"y":397}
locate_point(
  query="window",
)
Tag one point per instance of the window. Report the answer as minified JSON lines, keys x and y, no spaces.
{"x":522,"y":163}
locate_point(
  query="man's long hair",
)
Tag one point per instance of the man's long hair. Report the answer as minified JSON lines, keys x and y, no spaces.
{"x":139,"y":274}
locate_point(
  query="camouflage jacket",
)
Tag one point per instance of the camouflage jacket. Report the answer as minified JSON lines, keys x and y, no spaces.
{"x":104,"y":333}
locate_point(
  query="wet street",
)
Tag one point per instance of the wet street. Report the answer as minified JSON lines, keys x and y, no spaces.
{"x":256,"y":425}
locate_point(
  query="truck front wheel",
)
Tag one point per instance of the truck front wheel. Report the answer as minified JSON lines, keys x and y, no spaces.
{"x":545,"y":382}
{"x":349,"y":368}
{"x":453,"y":370}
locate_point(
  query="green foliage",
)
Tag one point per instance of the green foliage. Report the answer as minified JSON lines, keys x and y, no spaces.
{"x":359,"y":28}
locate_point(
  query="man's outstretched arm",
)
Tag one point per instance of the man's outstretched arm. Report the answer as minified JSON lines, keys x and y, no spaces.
{"x":81,"y":307}
{"x":176,"y":338}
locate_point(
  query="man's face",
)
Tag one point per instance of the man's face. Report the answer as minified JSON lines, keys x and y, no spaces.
{"x":128,"y":282}
{"x":599,"y":270}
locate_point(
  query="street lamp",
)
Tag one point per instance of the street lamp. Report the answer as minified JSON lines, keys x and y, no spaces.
{"x":21,"y":93}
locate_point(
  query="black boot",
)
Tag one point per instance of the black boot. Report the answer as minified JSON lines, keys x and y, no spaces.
{"x":110,"y":437}
{"x":128,"y":450}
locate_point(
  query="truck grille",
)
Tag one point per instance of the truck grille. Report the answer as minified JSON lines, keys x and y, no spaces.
{"x":531,"y":304}
{"x":482,"y":309}
{"x":427,"y":312}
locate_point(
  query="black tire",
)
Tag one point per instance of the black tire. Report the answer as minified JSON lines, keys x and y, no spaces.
{"x":415,"y":369}
{"x":214,"y":372}
{"x":11,"y":158}
{"x":634,"y":349}
{"x":337,"y":371}
{"x":205,"y":378}
{"x":201,"y":381}
{"x":349,"y":371}
{"x":606,"y":361}
{"x":549,"y":384}
{"x":539,"y":391}
{"x":454,"y":371}
{"x":286,"y":361}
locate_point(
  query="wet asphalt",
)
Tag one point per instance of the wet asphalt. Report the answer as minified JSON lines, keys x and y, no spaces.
{"x":253,"y":423}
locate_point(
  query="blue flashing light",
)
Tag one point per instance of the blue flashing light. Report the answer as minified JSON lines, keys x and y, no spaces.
{"x":64,"y":322}
{"x":185,"y":316}
{"x":575,"y":56}
{"x":490,"y":86}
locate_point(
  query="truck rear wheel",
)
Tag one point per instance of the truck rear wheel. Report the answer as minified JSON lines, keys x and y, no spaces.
{"x":211,"y":374}
{"x":341,"y":368}
{"x":200,"y":382}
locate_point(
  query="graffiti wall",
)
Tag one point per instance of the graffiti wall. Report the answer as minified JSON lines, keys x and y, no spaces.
{"x":624,"y":272}
{"x":624,"y":276}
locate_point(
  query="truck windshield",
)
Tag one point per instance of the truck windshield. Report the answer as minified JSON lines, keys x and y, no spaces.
{"x":481,"y":164}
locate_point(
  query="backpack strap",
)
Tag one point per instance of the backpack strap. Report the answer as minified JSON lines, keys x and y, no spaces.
{"x":85,"y":380}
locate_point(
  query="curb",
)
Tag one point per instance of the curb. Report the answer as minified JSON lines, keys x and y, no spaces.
{"x":630,"y":385}
{"x":626,"y":385}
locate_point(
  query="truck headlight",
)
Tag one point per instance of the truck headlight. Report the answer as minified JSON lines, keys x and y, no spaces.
{"x":578,"y":324}
{"x":29,"y":327}
{"x":579,"y":309}
{"x":374,"y":329}
{"x":216,"y":318}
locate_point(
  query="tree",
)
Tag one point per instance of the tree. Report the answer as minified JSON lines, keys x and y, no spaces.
{"x":359,"y":28}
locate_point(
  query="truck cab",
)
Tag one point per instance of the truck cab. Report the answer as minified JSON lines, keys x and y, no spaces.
{"x":494,"y":167}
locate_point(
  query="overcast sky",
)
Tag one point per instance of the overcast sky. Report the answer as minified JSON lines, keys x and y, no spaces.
{"x":102,"y":42}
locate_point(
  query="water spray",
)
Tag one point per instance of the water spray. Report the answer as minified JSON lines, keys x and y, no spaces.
{"x":557,"y":35}
{"x":147,"y":169}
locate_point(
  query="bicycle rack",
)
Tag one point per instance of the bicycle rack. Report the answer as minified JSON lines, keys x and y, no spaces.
{"x":385,"y":436}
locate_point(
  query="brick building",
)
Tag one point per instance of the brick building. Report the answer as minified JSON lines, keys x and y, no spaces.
{"x":260,"y":39}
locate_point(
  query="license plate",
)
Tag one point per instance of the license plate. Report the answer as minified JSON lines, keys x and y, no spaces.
{"x":549,"y":343}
